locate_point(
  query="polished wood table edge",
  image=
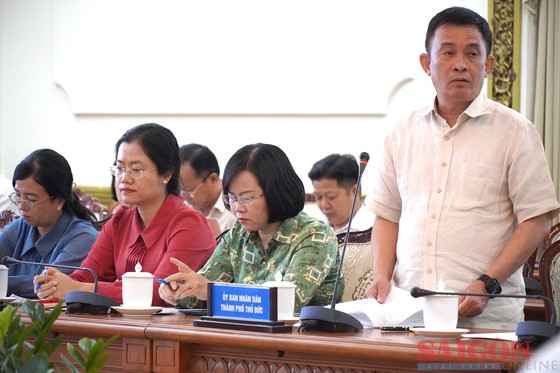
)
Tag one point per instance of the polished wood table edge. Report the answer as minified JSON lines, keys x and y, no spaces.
{"x":100,"y":325}
{"x":404,"y":346}
{"x":297,"y":342}
{"x":367,"y":344}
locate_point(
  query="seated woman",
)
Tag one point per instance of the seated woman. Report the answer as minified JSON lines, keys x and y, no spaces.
{"x":54,"y":227}
{"x":152,"y":226}
{"x":272,"y":239}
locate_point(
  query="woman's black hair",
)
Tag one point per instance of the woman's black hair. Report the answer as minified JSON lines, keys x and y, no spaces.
{"x":52,"y":171}
{"x":282,"y":187}
{"x":160,"y":145}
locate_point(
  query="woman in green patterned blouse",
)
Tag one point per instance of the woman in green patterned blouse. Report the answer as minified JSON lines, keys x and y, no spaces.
{"x":272,"y":239}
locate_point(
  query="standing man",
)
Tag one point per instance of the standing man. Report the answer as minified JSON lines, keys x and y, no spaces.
{"x":462,"y":193}
{"x":334,"y":180}
{"x":202,"y":186}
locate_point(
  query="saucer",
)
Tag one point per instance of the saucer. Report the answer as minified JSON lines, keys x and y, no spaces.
{"x":439,"y":333}
{"x":290,"y":320}
{"x":136,"y":311}
{"x":7,"y":300}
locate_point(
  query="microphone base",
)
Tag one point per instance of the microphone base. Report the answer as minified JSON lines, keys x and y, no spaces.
{"x":328,"y":320}
{"x":88,"y":303}
{"x":534,"y":333}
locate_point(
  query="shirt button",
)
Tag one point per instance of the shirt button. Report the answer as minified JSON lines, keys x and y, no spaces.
{"x":439,"y":190}
{"x":429,"y":243}
{"x":443,"y":164}
{"x":433,"y":216}
{"x":446,"y":137}
{"x":429,"y":271}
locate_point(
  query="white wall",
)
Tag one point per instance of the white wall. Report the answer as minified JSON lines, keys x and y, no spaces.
{"x":311,"y":76}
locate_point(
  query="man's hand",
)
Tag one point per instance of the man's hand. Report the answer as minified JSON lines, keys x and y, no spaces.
{"x":379,"y":290}
{"x":473,"y":306}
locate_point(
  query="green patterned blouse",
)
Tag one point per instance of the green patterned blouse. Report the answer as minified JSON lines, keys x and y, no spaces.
{"x":303,"y":250}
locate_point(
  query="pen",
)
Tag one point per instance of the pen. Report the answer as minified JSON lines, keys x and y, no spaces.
{"x":162,"y":281}
{"x":38,"y":285}
{"x":396,"y":328}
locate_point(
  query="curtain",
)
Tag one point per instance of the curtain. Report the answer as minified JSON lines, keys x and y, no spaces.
{"x":544,"y":85}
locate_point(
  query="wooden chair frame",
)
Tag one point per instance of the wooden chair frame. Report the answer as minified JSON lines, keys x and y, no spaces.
{"x":549,"y":239}
{"x":356,"y":268}
{"x":6,"y":217}
{"x":547,"y":258}
{"x":355,"y":236}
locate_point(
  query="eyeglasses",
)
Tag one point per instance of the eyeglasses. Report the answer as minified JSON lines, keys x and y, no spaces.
{"x":244,"y":200}
{"x":25,"y":203}
{"x":192,"y":193}
{"x":133,"y":172}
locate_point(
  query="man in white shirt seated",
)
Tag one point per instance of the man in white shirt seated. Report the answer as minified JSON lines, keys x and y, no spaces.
{"x":202,"y":186}
{"x":334,"y":181}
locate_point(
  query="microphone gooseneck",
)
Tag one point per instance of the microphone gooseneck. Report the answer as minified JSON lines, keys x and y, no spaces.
{"x":332,"y":320}
{"x":7,"y":260}
{"x":417,"y":292}
{"x":528,"y":332}
{"x":364,"y":158}
{"x":77,"y":301}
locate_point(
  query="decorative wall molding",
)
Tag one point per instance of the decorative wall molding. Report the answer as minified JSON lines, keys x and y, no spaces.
{"x":505,"y":21}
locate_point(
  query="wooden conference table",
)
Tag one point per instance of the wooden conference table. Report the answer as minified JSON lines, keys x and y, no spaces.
{"x":170,"y":343}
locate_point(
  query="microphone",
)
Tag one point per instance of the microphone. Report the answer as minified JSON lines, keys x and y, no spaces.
{"x":364,"y":159}
{"x":330,"y":319}
{"x":531,"y":333}
{"x":76,"y":301}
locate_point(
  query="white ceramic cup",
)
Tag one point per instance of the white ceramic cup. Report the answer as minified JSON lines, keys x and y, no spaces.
{"x":286,"y":298}
{"x":137,"y":289}
{"x":3,"y":281}
{"x":441,"y":312}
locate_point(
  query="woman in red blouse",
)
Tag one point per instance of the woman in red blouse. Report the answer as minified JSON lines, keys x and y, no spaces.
{"x":156,"y":226}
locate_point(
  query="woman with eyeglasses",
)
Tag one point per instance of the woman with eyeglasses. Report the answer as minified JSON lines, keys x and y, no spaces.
{"x":54,"y":227}
{"x":152,"y":226}
{"x":273,"y":238}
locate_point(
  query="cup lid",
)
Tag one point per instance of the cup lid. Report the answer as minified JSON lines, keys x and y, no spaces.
{"x":279,"y":284}
{"x":138,"y":275}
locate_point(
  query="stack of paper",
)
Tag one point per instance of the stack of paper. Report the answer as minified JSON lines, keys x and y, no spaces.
{"x":399,"y":309}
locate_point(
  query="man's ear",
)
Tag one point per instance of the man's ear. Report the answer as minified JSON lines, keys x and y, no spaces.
{"x":490,"y":60}
{"x":425,"y":63}
{"x":214,"y":177}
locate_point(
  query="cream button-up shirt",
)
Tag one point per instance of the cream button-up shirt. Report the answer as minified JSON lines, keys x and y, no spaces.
{"x":458,"y":194}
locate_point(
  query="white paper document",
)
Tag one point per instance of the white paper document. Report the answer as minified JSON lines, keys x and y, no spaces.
{"x":501,"y":336}
{"x":400,"y":308}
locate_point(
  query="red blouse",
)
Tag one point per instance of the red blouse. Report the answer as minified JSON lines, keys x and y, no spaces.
{"x":176,"y":231}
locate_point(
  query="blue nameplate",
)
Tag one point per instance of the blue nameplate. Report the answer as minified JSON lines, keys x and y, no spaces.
{"x":242,"y":301}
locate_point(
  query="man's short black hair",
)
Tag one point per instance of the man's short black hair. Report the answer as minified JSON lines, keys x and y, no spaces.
{"x":343,"y":168}
{"x":459,"y":16}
